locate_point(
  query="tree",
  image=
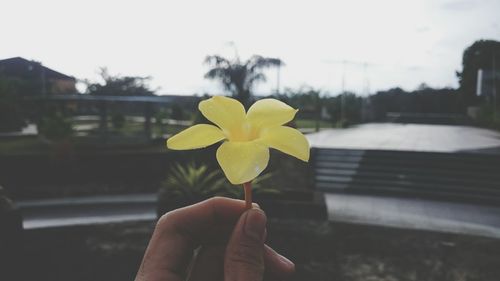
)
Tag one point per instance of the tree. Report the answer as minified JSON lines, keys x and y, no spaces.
{"x":306,"y":99}
{"x":55,"y":127}
{"x":12,"y":114}
{"x":345,"y":108}
{"x":424,"y":100}
{"x":483,"y":54}
{"x":237,"y":77}
{"x":116,"y":85}
{"x":119,"y":85}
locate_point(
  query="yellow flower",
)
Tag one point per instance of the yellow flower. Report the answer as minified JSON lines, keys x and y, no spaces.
{"x":244,"y":154}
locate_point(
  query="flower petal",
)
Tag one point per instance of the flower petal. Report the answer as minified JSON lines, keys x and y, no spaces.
{"x":197,"y":136}
{"x":270,"y":113}
{"x":227,"y":113}
{"x":287,"y":140}
{"x":242,"y":161}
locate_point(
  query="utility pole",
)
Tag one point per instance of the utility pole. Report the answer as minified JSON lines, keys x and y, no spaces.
{"x":42,"y":74}
{"x":342,"y":99}
{"x":236,"y":55}
{"x":366,"y":82}
{"x":278,"y":79}
{"x":494,"y":89}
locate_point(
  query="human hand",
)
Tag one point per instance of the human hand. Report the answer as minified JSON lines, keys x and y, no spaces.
{"x":213,"y":240}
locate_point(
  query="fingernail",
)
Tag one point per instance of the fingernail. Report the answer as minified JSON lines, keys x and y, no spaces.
{"x":255,"y":224}
{"x":286,"y":261}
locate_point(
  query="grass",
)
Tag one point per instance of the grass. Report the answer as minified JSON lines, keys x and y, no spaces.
{"x":82,"y":144}
{"x":22,"y":145}
{"x":132,"y":133}
{"x":133,"y":128}
{"x":34,"y":145}
{"x":309,"y":123}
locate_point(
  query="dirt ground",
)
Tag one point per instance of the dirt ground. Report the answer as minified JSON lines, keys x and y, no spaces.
{"x":321,"y":250}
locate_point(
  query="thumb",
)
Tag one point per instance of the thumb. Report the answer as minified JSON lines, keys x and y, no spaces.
{"x":244,"y":258}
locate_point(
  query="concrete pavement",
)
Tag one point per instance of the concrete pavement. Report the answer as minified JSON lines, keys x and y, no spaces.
{"x":417,"y":214}
{"x":61,"y":212}
{"x":383,"y":211}
{"x":406,"y":213}
{"x":408,"y":137}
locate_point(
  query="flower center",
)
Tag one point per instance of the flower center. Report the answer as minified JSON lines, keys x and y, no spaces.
{"x":242,"y":133}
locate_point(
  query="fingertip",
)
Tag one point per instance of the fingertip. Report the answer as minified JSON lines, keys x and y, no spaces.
{"x":244,"y":257}
{"x":255,"y":224}
{"x":288,"y":265}
{"x":277,"y":264}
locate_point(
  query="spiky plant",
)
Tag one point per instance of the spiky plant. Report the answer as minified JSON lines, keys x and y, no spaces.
{"x":260,"y":186}
{"x":192,"y":181}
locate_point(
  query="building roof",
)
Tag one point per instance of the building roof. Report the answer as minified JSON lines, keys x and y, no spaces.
{"x":21,"y":67}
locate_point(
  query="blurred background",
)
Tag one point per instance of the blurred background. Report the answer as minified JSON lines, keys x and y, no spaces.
{"x":398,"y":99}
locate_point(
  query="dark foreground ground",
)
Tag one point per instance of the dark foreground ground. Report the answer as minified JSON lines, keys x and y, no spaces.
{"x":321,"y":251}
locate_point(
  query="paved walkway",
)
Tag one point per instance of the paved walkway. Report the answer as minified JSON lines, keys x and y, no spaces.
{"x":415,"y":214}
{"x":87,"y":210}
{"x":409,"y":137}
{"x":381,"y":211}
{"x":30,"y":130}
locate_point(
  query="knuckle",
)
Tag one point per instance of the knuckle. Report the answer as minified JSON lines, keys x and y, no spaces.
{"x":162,"y":221}
{"x":247,"y":254}
{"x":217,"y":200}
{"x":165,"y":221}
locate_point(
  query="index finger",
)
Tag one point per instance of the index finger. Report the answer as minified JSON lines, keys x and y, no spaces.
{"x":179,"y":232}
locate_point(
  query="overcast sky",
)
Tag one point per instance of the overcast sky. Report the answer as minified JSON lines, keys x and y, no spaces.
{"x":404,"y":43}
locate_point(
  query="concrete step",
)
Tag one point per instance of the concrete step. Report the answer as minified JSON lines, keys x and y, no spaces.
{"x":60,"y":212}
{"x":447,"y":176}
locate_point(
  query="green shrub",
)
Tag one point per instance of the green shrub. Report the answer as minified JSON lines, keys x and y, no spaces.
{"x":159,"y":116}
{"x":487,"y":117}
{"x":11,"y":117}
{"x":177,"y":112}
{"x":260,"y":186}
{"x":192,"y":182}
{"x":343,"y":123}
{"x":186,"y":185}
{"x":55,"y":127}
{"x":199,"y":118}
{"x":118,"y":121}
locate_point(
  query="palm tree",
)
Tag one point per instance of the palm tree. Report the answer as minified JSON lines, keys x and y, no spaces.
{"x":239,"y":78}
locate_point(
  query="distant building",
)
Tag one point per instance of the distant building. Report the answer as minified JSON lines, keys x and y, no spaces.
{"x":44,"y":81}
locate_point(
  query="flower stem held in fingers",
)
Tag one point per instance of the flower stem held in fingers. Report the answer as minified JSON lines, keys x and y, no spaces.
{"x":248,"y":195}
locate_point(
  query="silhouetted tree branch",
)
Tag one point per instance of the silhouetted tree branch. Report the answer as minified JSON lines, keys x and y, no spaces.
{"x":119,"y":85}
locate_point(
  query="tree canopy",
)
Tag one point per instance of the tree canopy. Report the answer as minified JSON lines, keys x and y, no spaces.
{"x":239,"y":77}
{"x":115,"y":85}
{"x":480,"y":55}
{"x":422,"y":100}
